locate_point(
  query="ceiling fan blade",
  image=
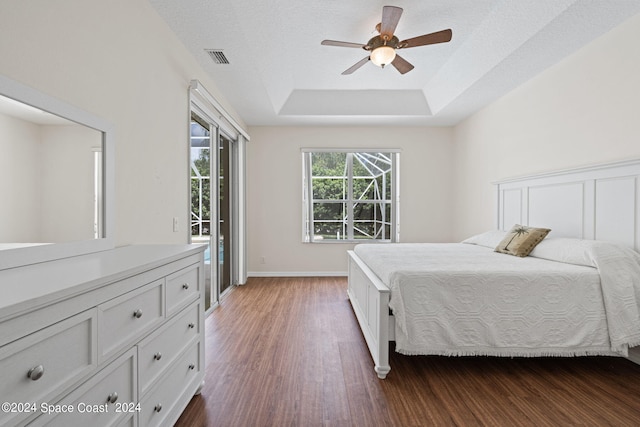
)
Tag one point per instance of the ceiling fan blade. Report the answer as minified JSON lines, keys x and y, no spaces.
{"x":355,"y":66}
{"x":390,"y":17}
{"x":341,"y":44}
{"x":401,"y":64}
{"x":433,"y":38}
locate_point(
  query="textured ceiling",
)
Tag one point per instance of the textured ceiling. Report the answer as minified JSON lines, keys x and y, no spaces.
{"x":279,"y":74}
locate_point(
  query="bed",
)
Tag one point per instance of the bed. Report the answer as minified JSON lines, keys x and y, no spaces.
{"x":576,"y":294}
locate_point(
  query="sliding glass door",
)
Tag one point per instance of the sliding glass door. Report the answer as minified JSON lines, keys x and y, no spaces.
{"x":201,"y":136}
{"x":225,"y":217}
{"x":212,"y":204}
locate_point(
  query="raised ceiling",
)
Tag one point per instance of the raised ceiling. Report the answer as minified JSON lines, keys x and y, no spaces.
{"x":279,"y":74}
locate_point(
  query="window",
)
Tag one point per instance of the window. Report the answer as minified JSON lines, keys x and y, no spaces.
{"x":350,"y":195}
{"x":200,"y":179}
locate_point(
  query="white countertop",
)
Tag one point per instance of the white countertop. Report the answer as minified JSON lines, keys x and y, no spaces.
{"x":36,"y":284}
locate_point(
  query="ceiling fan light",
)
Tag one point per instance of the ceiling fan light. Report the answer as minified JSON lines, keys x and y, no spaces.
{"x":383,"y":55}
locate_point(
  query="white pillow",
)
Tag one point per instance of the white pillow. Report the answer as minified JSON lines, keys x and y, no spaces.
{"x":570,"y":251}
{"x":490,"y":239}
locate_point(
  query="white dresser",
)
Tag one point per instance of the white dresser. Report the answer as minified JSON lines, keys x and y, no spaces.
{"x":114,"y":338}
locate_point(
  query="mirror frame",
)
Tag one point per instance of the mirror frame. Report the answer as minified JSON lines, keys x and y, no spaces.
{"x":21,"y":256}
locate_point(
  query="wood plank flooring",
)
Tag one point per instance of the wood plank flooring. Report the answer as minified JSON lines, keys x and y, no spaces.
{"x":288,"y":352}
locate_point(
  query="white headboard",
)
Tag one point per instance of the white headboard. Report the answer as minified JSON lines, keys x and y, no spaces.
{"x":597,"y":202}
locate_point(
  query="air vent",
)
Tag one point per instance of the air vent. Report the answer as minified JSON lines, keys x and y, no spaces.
{"x":218,"y":56}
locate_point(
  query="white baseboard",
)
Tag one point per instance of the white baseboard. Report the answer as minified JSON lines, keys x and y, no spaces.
{"x":296,"y":273}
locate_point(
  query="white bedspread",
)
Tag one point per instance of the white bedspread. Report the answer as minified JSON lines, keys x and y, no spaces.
{"x":465,"y":299}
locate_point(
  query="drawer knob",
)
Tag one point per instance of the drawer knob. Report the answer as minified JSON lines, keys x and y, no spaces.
{"x":157,"y":356}
{"x":112,"y":398}
{"x":185,"y":286}
{"x":192,"y":367}
{"x":192,"y":325}
{"x":36,"y":373}
{"x":158,"y":407}
{"x":137,"y":314}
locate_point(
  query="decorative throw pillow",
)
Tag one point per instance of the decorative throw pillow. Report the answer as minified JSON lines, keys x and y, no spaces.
{"x":521,"y":240}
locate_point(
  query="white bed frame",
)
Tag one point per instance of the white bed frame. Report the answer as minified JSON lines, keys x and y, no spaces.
{"x":596,"y":202}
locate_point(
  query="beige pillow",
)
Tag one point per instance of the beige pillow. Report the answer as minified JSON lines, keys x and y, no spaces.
{"x":521,"y":240}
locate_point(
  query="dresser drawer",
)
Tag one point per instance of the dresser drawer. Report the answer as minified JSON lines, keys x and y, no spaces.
{"x":125,"y":319}
{"x":160,"y":403}
{"x":105,"y":400}
{"x":183,"y":286}
{"x":129,"y":422}
{"x":159,"y":350}
{"x":36,"y":367}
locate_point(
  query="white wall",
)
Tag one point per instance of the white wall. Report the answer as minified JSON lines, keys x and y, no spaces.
{"x":46,"y":181}
{"x":118,"y":60}
{"x":67,"y":182}
{"x":582,"y":111}
{"x":274,"y":192}
{"x":19,"y":180}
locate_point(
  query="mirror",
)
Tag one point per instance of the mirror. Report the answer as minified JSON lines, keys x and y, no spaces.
{"x":55,"y":180}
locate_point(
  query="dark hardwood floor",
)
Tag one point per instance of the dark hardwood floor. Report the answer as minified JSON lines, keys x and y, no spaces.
{"x":288,"y":352}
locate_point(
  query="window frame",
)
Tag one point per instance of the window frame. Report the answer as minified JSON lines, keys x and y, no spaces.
{"x":308,"y":200}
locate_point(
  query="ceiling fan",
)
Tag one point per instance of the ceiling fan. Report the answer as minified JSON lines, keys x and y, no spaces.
{"x":383,"y":47}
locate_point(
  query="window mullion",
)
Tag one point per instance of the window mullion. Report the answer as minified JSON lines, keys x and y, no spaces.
{"x":310,"y":228}
{"x":350,"y":220}
{"x":395,"y":198}
{"x":383,"y":206}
